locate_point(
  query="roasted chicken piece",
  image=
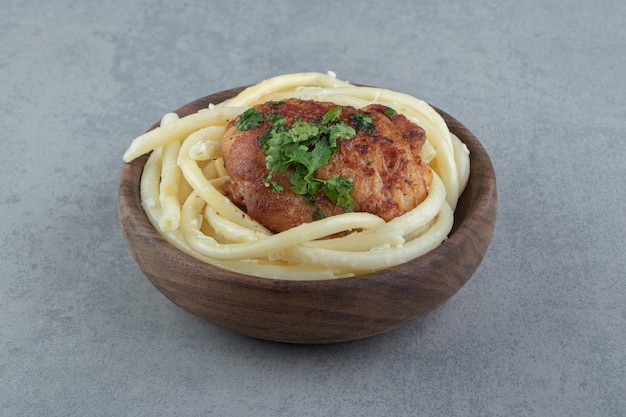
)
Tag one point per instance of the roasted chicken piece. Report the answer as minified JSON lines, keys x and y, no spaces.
{"x":382,"y":161}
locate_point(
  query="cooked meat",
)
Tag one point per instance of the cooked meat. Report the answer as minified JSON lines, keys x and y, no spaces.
{"x":383,"y":159}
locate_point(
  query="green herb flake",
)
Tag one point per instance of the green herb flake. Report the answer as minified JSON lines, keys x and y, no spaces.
{"x":338,"y":131}
{"x":302,"y":131}
{"x":390,"y":112}
{"x":277,"y":120}
{"x":332,"y":115}
{"x":362,"y":121}
{"x":318,"y":214}
{"x":338,"y":189}
{"x":269,"y":183}
{"x":249,"y":119}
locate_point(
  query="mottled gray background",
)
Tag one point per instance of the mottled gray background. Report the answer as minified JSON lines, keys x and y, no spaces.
{"x":540,"y":330}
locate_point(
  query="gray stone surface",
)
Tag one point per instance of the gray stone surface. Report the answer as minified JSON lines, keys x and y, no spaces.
{"x":538,"y":331}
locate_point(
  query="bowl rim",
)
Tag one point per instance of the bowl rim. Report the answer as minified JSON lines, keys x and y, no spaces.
{"x":475,"y":210}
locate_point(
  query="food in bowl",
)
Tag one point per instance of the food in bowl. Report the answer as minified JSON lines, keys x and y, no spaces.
{"x":304,"y":177}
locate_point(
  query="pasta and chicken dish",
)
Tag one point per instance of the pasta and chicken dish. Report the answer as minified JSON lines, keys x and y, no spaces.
{"x":304,"y":177}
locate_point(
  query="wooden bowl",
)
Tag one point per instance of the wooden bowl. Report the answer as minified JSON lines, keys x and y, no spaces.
{"x":311,"y":312}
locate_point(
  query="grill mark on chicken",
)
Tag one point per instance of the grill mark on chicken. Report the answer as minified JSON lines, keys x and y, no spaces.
{"x":389,"y":176}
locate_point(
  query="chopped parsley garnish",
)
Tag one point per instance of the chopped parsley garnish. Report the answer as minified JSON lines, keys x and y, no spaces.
{"x":303,"y":148}
{"x":318,"y":214}
{"x":337,"y":189}
{"x":362,"y":121}
{"x":331,"y":115}
{"x":249,"y":119}
{"x":390,"y":112}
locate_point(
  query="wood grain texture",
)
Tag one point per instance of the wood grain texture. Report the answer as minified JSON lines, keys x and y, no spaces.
{"x":316,"y":311}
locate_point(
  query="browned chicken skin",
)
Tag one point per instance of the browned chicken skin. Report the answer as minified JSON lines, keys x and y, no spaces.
{"x":384,"y":161}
